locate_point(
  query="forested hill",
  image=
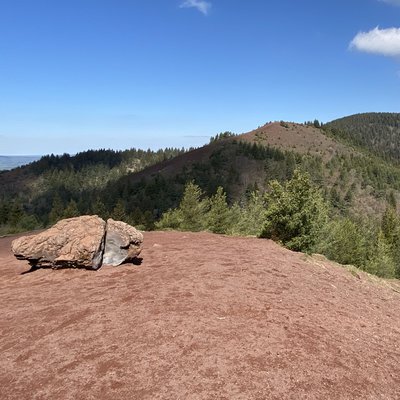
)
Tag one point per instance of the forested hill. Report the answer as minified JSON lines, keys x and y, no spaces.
{"x":345,"y":191}
{"x":377,"y":132}
{"x":139,"y":186}
{"x":87,"y":169}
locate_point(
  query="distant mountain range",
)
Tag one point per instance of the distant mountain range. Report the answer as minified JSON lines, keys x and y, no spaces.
{"x":10,"y":162}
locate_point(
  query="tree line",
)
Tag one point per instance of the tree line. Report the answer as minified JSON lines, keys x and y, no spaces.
{"x":355,"y":189}
{"x":378,"y":133}
{"x":296,"y":215}
{"x":69,"y":187}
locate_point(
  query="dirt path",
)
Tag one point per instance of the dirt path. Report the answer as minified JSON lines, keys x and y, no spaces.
{"x":203,"y":317}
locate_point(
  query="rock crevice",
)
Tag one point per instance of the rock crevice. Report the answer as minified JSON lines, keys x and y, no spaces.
{"x":82,"y":242}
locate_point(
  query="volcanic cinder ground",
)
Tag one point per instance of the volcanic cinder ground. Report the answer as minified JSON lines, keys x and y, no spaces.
{"x":203,"y":317}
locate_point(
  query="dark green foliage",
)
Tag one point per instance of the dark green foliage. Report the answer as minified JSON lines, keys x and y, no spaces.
{"x":379,"y":133}
{"x":28,"y":223}
{"x":89,"y":182}
{"x":193,"y":208}
{"x":71,"y":210}
{"x":390,"y":225}
{"x":381,"y":262}
{"x":390,"y":232}
{"x":344,"y":241}
{"x":118,"y":213}
{"x":316,"y":124}
{"x":4,"y":212}
{"x":134,"y":159}
{"x":198,"y":212}
{"x":191,"y":213}
{"x":226,"y":193}
{"x":361,"y":244}
{"x":295,"y":213}
{"x":391,"y":199}
{"x":57,"y":209}
{"x":98,"y":208}
{"x":171,"y":219}
{"x":248,"y":217}
{"x":221,"y":136}
{"x":86,"y":183}
{"x":15,"y":214}
{"x":218,"y":218}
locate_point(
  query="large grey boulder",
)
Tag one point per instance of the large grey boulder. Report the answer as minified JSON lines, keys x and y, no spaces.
{"x":123,"y":243}
{"x":81,"y":242}
{"x":73,"y":242}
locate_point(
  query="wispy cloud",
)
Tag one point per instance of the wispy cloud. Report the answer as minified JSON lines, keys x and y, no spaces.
{"x":393,"y":2}
{"x":378,"y":41}
{"x":201,"y":5}
{"x":197,"y":136}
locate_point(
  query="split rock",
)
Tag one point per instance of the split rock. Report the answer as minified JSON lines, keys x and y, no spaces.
{"x":73,"y":242}
{"x":123,"y":243}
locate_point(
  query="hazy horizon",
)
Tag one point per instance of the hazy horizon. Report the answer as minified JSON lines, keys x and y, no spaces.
{"x":10,"y":162}
{"x":173,"y":73}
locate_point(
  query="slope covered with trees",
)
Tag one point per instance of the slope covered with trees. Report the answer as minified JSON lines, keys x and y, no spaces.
{"x":296,"y":215}
{"x":379,"y":133}
{"x":140,"y":186}
{"x":54,"y":187}
{"x":239,"y":175}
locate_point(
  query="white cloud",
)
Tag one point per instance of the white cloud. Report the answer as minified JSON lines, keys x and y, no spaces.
{"x":378,"y":41}
{"x":200,"y":5}
{"x":393,"y":2}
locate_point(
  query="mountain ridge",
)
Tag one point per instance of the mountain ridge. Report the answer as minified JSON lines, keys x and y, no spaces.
{"x":99,"y":181}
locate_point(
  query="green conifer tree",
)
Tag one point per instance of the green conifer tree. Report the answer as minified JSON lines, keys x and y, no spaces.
{"x":98,"y":208}
{"x":171,"y":219}
{"x":71,"y":210}
{"x":16,"y":213}
{"x":295,"y":214}
{"x":248,"y":219}
{"x":4,"y":212}
{"x":28,"y":223}
{"x":343,"y":240}
{"x":381,"y":262}
{"x":118,"y":212}
{"x":57,"y":209}
{"x":193,"y":208}
{"x":191,"y":213}
{"x":390,"y":225}
{"x":218,"y":218}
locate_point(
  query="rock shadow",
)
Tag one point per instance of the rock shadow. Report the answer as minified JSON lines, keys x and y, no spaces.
{"x":30,"y":270}
{"x":136,"y":261}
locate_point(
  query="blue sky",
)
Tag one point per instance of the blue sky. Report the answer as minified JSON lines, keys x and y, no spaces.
{"x":83,"y":74}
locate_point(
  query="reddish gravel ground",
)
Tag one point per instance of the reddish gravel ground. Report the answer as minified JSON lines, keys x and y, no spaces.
{"x":203,"y":317}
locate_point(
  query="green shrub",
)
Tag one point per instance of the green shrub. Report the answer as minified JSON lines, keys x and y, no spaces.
{"x":342,"y":240}
{"x":295,"y":213}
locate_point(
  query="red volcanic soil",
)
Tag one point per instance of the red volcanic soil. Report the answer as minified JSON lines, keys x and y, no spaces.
{"x":203,"y":317}
{"x":298,"y":138}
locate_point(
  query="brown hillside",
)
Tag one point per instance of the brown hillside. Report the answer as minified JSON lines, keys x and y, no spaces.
{"x":292,"y":137}
{"x":203,"y":317}
{"x":295,"y":137}
{"x":298,"y":138}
